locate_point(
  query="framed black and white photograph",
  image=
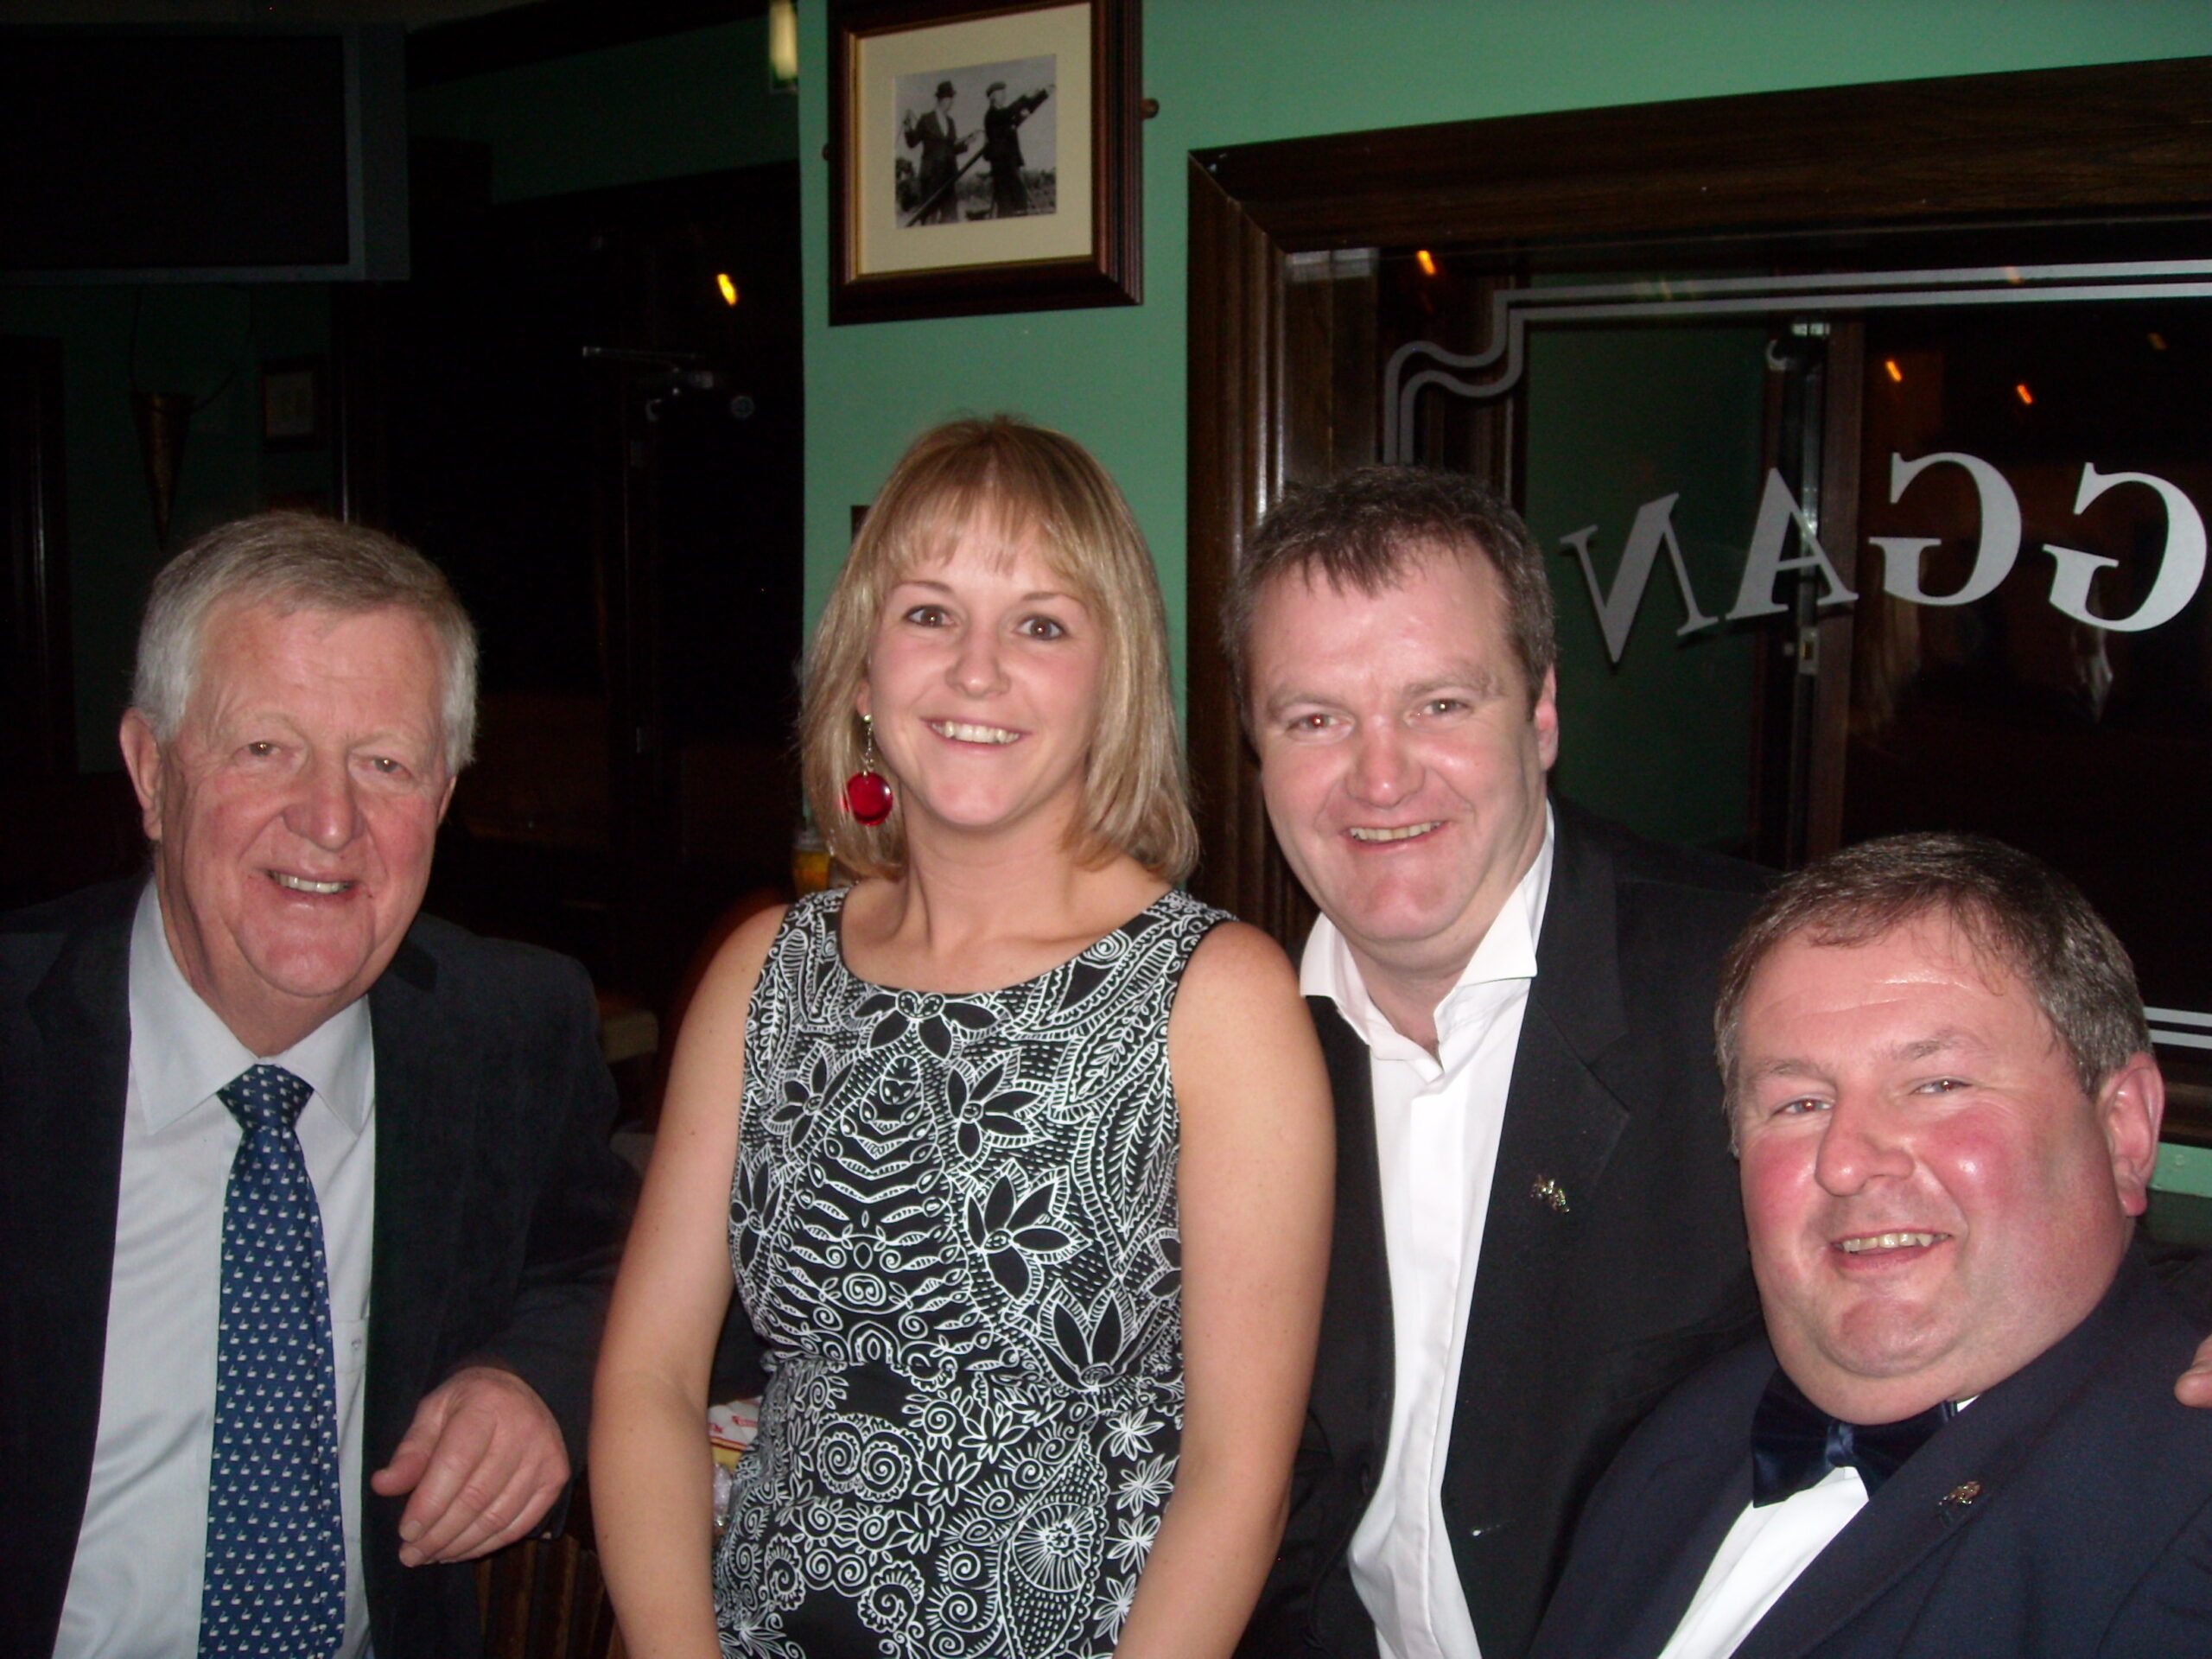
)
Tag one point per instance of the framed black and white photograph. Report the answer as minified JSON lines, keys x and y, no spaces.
{"x":984,"y":157}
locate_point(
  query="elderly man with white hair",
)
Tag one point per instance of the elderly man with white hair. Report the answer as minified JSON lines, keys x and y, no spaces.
{"x":309,"y":1211}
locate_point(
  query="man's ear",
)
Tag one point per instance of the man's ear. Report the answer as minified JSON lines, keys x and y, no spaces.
{"x":2130,"y":1106}
{"x":143,"y":760}
{"x":1546,"y":718}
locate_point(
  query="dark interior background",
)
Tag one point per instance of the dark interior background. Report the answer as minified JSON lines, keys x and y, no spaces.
{"x":583,"y":401}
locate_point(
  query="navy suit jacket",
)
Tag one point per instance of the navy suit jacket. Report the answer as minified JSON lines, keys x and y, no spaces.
{"x":498,"y":1213}
{"x":1613,"y":1263}
{"x":2066,"y":1513}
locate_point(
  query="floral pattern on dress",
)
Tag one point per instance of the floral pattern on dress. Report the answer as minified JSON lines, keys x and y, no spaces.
{"x":953,"y":1226}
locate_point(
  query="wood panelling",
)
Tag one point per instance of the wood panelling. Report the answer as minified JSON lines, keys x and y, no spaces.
{"x":2048,"y":142}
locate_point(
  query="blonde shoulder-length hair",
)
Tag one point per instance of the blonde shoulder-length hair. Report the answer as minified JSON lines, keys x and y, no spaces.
{"x":1002,"y":479}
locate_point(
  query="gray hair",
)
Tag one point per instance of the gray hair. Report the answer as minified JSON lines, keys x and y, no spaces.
{"x":298,"y":561}
{"x":1364,"y":530}
{"x":2014,"y":911}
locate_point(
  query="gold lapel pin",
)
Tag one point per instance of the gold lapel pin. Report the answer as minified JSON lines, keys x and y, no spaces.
{"x":1960,"y":1495}
{"x":1547,"y":1191}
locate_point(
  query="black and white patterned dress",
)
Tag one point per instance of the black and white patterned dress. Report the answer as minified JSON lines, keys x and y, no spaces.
{"x":953,"y":1227}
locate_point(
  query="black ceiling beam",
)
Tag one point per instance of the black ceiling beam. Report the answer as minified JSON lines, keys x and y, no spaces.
{"x":554,"y":28}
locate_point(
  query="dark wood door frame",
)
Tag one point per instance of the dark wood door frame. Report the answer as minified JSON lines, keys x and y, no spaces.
{"x":1276,"y":397}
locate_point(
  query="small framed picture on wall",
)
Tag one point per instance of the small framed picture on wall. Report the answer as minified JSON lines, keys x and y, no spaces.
{"x":984,"y":157}
{"x":294,"y":413}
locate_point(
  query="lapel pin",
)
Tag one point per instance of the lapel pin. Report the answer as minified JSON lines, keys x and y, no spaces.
{"x":1960,"y":1495}
{"x":1547,"y":1191}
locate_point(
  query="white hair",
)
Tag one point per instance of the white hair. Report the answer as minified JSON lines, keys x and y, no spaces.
{"x":298,"y":561}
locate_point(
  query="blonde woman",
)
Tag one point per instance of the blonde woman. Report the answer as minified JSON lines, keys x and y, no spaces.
{"x":1022,"y":1156}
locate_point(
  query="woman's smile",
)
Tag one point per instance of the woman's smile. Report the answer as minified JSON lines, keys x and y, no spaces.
{"x":983,"y":683}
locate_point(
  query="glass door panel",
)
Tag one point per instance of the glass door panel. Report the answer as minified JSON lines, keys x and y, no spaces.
{"x":1644,"y":443}
{"x":2029,"y":658}
{"x":1846,"y":552}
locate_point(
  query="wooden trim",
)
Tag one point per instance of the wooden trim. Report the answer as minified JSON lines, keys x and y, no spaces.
{"x":1236,"y":289}
{"x":1963,"y":154}
{"x":1286,"y":363}
{"x":2048,"y":142}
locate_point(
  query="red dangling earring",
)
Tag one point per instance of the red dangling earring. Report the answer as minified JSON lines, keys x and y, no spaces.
{"x":867,"y":794}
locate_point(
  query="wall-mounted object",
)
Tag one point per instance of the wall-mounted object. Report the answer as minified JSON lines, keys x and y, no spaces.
{"x":782,"y":45}
{"x":984,"y":157}
{"x":164,"y":418}
{"x":295,"y":403}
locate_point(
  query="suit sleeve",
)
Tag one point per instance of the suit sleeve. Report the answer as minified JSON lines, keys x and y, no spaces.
{"x":576,"y":1221}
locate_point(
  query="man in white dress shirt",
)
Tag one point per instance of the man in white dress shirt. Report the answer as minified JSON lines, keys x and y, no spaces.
{"x":1535,"y":1231}
{"x":1960,"y":1437}
{"x":304,"y":700}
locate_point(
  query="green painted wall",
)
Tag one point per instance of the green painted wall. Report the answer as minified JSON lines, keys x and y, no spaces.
{"x":2184,"y":1169}
{"x":1231,"y":72}
{"x":655,"y":108}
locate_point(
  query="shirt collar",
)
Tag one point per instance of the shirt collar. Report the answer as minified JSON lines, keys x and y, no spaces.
{"x":1506,"y":953}
{"x":182,"y":1052}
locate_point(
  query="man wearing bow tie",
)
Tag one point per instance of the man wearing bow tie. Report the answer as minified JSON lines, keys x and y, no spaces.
{"x":308,"y":1208}
{"x":1960,"y":1436}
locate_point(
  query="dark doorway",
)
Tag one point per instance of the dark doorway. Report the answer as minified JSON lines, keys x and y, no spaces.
{"x":591,"y":419}
{"x":60,"y":830}
{"x":38,"y":735}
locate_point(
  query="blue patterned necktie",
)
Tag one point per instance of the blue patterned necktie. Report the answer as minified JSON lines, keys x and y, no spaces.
{"x":275,"y":1577}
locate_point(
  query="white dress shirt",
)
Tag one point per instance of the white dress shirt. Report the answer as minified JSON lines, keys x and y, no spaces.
{"x":134,"y":1591}
{"x":1437,"y":1121}
{"x":1759,"y":1559}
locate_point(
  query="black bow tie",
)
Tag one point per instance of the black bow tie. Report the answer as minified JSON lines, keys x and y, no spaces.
{"x":1795,"y":1443}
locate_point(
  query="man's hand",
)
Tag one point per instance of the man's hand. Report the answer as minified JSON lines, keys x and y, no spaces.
{"x":484,"y":1459}
{"x":2195,"y":1388}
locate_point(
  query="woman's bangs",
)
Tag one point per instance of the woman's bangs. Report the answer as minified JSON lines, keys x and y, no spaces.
{"x":979,"y":517}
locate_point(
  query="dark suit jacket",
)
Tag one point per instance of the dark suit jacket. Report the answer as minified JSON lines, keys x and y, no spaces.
{"x":938,"y":137}
{"x":499,"y":1210}
{"x":1002,"y":131}
{"x":1585,"y":1315}
{"x":2091,"y":1533}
